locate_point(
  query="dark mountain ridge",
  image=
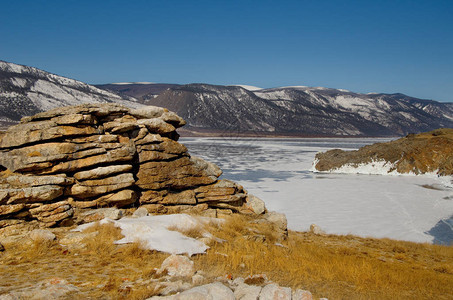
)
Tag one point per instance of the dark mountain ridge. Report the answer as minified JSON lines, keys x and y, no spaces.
{"x":217,"y":109}
{"x":303,"y":111}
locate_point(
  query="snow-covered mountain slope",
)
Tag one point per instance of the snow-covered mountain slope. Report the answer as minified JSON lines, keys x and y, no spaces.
{"x":26,"y":91}
{"x":140,"y":90}
{"x":303,"y":110}
{"x":294,"y":110}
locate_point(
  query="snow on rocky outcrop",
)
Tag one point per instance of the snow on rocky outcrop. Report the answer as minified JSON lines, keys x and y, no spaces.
{"x":25,"y":91}
{"x":425,"y":153}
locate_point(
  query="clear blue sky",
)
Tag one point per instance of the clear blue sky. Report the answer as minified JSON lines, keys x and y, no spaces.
{"x":363,"y":46}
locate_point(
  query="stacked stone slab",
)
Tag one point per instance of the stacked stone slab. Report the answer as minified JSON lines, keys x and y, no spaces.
{"x":59,"y":162}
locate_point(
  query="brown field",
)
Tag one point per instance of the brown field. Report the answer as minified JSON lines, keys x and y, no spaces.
{"x":336,"y":267}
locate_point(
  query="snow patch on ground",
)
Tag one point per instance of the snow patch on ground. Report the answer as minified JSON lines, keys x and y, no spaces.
{"x":20,"y":82}
{"x":153,"y":232}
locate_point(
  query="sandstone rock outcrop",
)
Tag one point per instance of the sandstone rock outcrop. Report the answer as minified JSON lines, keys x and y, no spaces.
{"x":56,"y":164}
{"x":421,"y":153}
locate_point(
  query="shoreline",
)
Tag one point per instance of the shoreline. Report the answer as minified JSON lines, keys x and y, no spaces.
{"x":234,"y":134}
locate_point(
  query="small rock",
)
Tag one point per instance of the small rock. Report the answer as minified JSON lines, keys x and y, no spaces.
{"x":177,"y":265}
{"x":173,"y":287}
{"x":255,"y":204}
{"x":274,"y":291}
{"x":140,"y":212}
{"x":302,"y":295}
{"x":316,"y":230}
{"x":41,"y":235}
{"x":54,"y":288}
{"x":2,"y":248}
{"x":210,"y":291}
{"x":73,"y":240}
{"x":238,"y":281}
{"x":247,"y":292}
{"x":197,"y":279}
{"x":278,"y":219}
{"x":98,"y":214}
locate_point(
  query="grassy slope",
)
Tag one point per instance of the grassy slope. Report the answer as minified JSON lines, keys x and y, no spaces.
{"x":337,"y":267}
{"x":425,"y":152}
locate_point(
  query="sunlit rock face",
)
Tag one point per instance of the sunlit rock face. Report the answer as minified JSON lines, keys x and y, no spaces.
{"x":57,"y":163}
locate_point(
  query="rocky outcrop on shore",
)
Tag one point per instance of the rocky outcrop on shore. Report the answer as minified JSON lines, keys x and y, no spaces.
{"x":56,"y":166}
{"x":430,"y":152}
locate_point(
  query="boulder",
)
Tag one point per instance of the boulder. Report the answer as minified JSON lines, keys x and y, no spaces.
{"x":210,"y":291}
{"x":254,"y":204}
{"x":316,"y":230}
{"x":53,"y":288}
{"x":172,"y":287}
{"x":302,"y":295}
{"x":140,"y":212}
{"x":274,"y":291}
{"x":247,"y":292}
{"x":148,"y":112}
{"x":177,"y":265}
{"x":278,"y":219}
{"x":93,"y":215}
{"x":41,"y":235}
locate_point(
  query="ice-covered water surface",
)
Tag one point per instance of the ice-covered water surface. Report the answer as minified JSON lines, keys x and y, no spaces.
{"x":278,"y":171}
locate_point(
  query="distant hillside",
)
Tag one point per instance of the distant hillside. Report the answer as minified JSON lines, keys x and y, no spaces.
{"x":140,"y":91}
{"x":25,"y":91}
{"x":215,"y":109}
{"x":302,"y":111}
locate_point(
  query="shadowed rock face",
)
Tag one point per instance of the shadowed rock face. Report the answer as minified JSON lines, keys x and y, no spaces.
{"x":57,"y":163}
{"x":419,"y":154}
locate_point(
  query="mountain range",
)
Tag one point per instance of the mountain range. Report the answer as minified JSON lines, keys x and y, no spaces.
{"x":25,"y":91}
{"x":216,"y":109}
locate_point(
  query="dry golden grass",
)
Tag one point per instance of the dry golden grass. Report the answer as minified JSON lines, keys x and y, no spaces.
{"x":101,"y":270}
{"x":193,"y":232}
{"x":336,"y":267}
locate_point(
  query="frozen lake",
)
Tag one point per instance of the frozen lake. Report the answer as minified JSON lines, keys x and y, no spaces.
{"x":412,"y":208}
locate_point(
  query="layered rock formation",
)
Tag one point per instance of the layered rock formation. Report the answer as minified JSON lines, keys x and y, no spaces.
{"x":430,"y":152}
{"x":56,"y":164}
